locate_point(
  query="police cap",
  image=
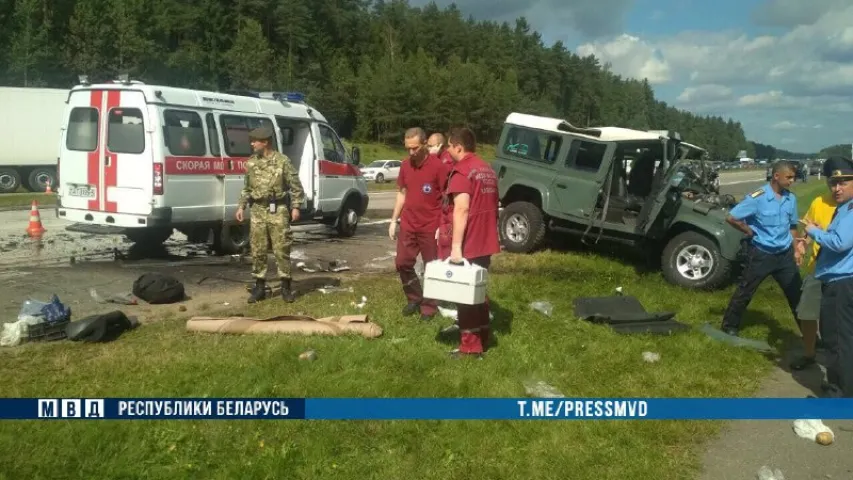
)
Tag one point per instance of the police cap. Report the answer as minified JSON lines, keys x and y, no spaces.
{"x":838,"y":167}
{"x":260,"y":133}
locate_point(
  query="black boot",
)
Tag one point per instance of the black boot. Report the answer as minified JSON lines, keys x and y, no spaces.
{"x":286,"y":293}
{"x":259,"y":291}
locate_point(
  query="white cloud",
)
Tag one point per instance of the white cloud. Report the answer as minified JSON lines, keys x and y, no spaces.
{"x":705,"y":94}
{"x":805,"y":73}
{"x":791,"y":13}
{"x":630,"y":56}
{"x":785,"y":125}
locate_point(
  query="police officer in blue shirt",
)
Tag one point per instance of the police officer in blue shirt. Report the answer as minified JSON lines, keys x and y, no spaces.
{"x":768,"y":217}
{"x":834,"y":268}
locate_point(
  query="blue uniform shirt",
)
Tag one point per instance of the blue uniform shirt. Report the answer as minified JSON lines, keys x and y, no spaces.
{"x":835,"y":260}
{"x":770,"y":218}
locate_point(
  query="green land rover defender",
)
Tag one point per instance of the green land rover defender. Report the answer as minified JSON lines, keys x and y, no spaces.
{"x":647,"y":189}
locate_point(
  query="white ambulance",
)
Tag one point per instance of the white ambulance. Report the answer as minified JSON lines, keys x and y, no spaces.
{"x":150,"y":159}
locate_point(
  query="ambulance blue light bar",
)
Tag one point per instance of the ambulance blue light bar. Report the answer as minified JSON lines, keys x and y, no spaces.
{"x":296,"y":97}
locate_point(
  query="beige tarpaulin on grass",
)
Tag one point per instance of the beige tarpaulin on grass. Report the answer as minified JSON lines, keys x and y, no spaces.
{"x":287,"y":324}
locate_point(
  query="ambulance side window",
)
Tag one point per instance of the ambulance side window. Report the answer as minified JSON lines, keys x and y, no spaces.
{"x":125,"y":131}
{"x":235,"y":132}
{"x":212,"y":135}
{"x":82,"y":133}
{"x":333,"y":150}
{"x":184,"y":133}
{"x":286,"y":128}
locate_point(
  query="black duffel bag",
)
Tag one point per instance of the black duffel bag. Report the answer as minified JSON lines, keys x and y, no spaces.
{"x":157,"y":288}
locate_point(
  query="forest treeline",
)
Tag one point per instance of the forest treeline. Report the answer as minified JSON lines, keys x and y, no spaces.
{"x":372,"y":67}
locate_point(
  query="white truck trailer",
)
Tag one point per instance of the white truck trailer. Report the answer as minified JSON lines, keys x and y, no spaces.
{"x":31,"y":120}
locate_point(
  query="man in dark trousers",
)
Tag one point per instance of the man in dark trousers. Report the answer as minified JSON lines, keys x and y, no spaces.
{"x":834,"y":269}
{"x":769,"y":218}
{"x":421,"y":181}
{"x":469,"y":230}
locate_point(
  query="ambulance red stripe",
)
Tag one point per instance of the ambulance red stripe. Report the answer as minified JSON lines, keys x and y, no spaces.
{"x":111,"y":166}
{"x":338,"y":169}
{"x":93,"y":168}
{"x":191,"y":165}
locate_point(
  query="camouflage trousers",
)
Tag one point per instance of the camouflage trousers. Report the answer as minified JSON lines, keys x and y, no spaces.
{"x":273,"y":228}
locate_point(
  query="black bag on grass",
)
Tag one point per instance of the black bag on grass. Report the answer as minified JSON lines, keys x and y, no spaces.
{"x":157,"y":288}
{"x":100,"y":328}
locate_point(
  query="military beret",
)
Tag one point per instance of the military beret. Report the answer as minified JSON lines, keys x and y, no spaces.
{"x":260,"y":133}
{"x":838,"y":167}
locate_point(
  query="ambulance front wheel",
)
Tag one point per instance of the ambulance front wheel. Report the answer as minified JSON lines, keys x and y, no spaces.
{"x":233,"y":238}
{"x":347,"y":220}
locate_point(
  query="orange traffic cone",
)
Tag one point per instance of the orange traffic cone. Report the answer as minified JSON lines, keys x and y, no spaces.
{"x":35,"y":230}
{"x":47,"y":190}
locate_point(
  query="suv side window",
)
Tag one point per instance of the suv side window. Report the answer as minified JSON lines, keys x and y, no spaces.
{"x":586,"y":156}
{"x":333,"y":149}
{"x":532,"y":145}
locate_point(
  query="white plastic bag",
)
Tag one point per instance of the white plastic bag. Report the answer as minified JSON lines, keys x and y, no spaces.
{"x":809,"y":429}
{"x":13,"y":333}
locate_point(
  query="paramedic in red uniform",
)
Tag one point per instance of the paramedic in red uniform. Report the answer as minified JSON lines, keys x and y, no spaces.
{"x":437,"y":145}
{"x":469,"y":230}
{"x":420,"y":183}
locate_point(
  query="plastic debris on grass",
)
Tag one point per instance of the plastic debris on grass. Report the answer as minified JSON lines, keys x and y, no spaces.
{"x":540,"y":389}
{"x":543,"y":307}
{"x":651,"y":357}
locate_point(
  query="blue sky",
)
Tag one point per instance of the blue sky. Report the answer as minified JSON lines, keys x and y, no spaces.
{"x":783,"y":68}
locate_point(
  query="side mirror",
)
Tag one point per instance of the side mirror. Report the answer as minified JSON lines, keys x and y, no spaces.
{"x":356,"y":156}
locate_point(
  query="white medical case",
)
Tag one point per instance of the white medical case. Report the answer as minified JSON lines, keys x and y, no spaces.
{"x":449,"y":282}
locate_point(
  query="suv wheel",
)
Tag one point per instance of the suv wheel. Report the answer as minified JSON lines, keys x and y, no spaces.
{"x":522,"y":227}
{"x":693,"y":260}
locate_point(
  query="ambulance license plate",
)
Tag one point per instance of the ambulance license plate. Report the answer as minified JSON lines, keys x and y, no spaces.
{"x":82,"y":191}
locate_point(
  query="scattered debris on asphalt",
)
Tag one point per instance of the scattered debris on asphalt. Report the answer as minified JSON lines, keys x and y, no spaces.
{"x":814,"y":430}
{"x":121,"y":298}
{"x":765,"y":473}
{"x":333,"y":289}
{"x":315,"y":267}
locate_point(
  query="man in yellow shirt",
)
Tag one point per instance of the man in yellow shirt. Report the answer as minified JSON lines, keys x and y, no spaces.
{"x":808,"y":312}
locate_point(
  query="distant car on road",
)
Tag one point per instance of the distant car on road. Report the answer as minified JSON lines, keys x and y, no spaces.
{"x":381,"y":171}
{"x":815,"y":167}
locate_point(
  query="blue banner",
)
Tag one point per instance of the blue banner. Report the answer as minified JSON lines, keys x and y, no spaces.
{"x":426,"y":408}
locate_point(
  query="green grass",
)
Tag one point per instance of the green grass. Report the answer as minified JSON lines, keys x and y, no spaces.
{"x":578,"y":358}
{"x":26,"y":199}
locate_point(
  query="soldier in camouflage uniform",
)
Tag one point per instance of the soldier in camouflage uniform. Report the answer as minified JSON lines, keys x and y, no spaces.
{"x":270,"y":178}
